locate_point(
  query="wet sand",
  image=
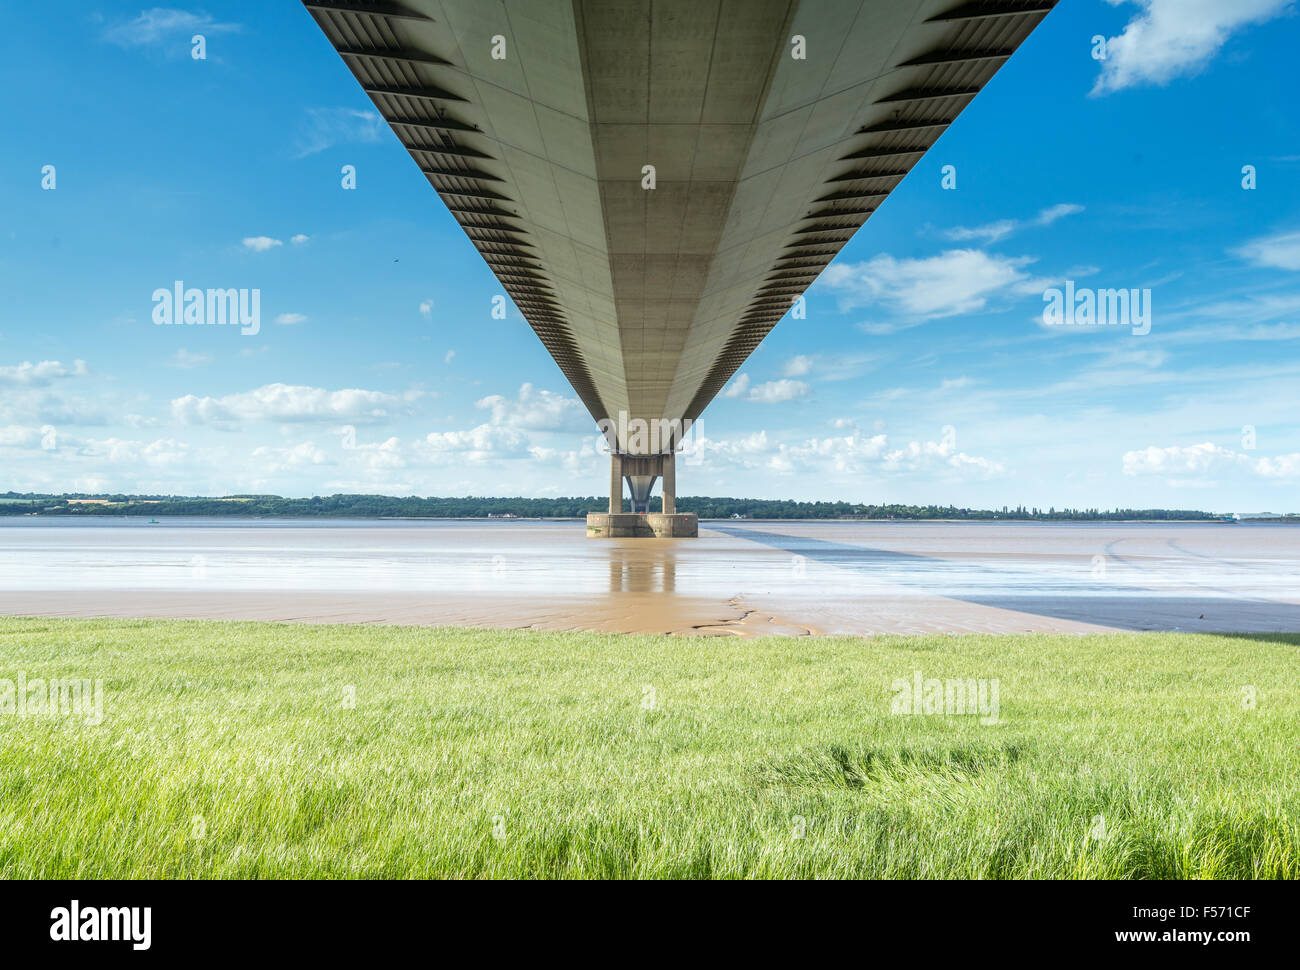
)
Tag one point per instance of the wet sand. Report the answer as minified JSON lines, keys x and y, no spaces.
{"x":738,"y":578}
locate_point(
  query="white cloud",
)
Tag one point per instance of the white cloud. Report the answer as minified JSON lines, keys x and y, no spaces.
{"x":161,"y":453}
{"x":290,"y":404}
{"x":260,"y":244}
{"x":1049,"y":215}
{"x":41,"y":374}
{"x":918,"y":456}
{"x":956,"y":281}
{"x":486,"y":442}
{"x":538,"y":410}
{"x":289,"y":319}
{"x":161,"y":25}
{"x":994,"y":231}
{"x":518,"y":428}
{"x":1207,"y":458}
{"x":426,"y":309}
{"x":449,"y":356}
{"x":854,"y":454}
{"x":1281,"y":251}
{"x":1249,"y":317}
{"x":1173,"y":38}
{"x":294,"y":458}
{"x":326,"y":127}
{"x":300,"y":239}
{"x":799,"y":366}
{"x":186,"y":359}
{"x":1178,"y":459}
{"x":738,"y":386}
{"x":38,"y":405}
{"x":1281,"y":466}
{"x":844,"y":454}
{"x":17,"y":436}
{"x":379,"y":456}
{"x":777,"y":392}
{"x":991,"y":232}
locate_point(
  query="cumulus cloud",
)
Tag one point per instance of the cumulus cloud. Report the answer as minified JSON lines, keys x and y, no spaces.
{"x":18,"y":436}
{"x":852,"y":454}
{"x":1167,"y":39}
{"x":287,"y":403}
{"x":518,"y":427}
{"x":1207,"y":458}
{"x":289,"y":319}
{"x":300,"y":239}
{"x":537,"y":410}
{"x":1280,"y":251}
{"x":38,"y":405}
{"x":927,"y":455}
{"x":799,"y":366}
{"x":426,"y":309}
{"x":156,"y":454}
{"x":846,"y":454}
{"x":260,"y":244}
{"x":486,"y":442}
{"x":771,"y":392}
{"x":738,"y":386}
{"x":778,"y":392}
{"x":294,"y":458}
{"x":956,"y":281}
{"x":379,"y":456}
{"x":41,"y":374}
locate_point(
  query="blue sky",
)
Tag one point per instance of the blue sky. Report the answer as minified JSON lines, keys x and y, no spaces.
{"x":923,"y":372}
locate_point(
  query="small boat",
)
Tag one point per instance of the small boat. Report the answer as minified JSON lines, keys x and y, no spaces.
{"x":154,"y":522}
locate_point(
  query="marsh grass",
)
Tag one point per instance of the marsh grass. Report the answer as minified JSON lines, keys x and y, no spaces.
{"x":230,"y":750}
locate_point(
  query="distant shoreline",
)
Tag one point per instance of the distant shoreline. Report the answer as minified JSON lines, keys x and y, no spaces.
{"x":1211,"y":520}
{"x":489,"y":508}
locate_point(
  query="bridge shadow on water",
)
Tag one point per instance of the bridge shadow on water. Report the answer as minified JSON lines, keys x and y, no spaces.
{"x":1085,"y":602}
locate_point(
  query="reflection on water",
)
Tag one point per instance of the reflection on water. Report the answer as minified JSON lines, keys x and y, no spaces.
{"x":634,"y":571}
{"x":862,"y":575}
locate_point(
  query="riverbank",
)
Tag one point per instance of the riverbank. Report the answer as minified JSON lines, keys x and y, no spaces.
{"x":266,"y":750}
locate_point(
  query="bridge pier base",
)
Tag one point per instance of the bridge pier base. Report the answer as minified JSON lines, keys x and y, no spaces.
{"x":641,"y":473}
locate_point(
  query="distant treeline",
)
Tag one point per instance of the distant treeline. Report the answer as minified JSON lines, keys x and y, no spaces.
{"x":475,"y":507}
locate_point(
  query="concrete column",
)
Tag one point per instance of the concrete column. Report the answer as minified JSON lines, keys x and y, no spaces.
{"x":641,"y":486}
{"x":670,"y":483}
{"x":615,"y":484}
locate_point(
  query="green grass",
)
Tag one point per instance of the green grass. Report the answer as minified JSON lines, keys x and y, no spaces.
{"x":227,"y":750}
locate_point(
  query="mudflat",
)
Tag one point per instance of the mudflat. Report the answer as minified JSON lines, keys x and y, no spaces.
{"x":738,"y":578}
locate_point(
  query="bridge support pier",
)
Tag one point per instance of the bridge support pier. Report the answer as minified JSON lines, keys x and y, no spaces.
{"x":615,"y":484}
{"x":641,"y":472}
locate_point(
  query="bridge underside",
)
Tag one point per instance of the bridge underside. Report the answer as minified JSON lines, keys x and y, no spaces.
{"x":770,"y":131}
